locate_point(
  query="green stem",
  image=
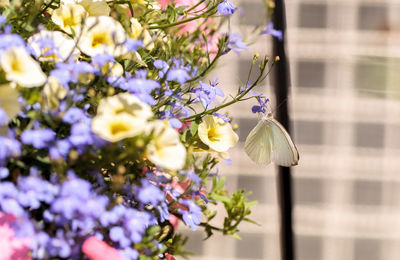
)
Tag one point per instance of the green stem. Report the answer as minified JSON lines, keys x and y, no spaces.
{"x":45,"y":8}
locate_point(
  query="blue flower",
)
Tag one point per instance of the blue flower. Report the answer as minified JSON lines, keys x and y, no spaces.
{"x":275,"y":33}
{"x":133,"y":45}
{"x":178,"y":74}
{"x":149,"y":194}
{"x":235,"y":43}
{"x":262,"y":108}
{"x":207,"y":93}
{"x":162,"y":66}
{"x":226,"y":8}
{"x":38,"y":138}
{"x":193,"y":215}
{"x":117,"y":234}
{"x":74,"y":115}
{"x":9,"y":147}
{"x":3,"y":117}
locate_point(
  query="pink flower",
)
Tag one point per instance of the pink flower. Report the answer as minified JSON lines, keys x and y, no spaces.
{"x":97,"y":249}
{"x":169,"y":257}
{"x":11,"y":248}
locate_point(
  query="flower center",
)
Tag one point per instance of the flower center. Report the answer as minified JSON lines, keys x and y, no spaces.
{"x":119,"y":127}
{"x":99,"y":39}
{"x":214,"y":135}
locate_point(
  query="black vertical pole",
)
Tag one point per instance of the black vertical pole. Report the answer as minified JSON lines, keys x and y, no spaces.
{"x":281,"y":86}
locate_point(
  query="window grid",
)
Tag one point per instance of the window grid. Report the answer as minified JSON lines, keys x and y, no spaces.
{"x":346,"y":185}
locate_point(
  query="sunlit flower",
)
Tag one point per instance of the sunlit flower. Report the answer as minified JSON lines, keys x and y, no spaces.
{"x":53,"y":46}
{"x":165,"y":148}
{"x":217,"y":134}
{"x":9,"y":100}
{"x":137,"y":31}
{"x":103,"y":35}
{"x":95,"y":7}
{"x":117,"y":127}
{"x":69,"y":17}
{"x":22,"y":68}
{"x":53,"y":92}
{"x":120,"y":116}
{"x":124,"y":103}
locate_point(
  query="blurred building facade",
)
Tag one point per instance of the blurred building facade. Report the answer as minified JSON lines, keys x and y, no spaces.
{"x":345,"y":106}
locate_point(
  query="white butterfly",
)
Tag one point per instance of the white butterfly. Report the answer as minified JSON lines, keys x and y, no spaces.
{"x":269,"y":141}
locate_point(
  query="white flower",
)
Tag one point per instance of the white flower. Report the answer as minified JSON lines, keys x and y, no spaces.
{"x":138,"y":31}
{"x":59,"y":48}
{"x":53,"y":92}
{"x":165,"y":148}
{"x":121,"y":116}
{"x":124,"y":103}
{"x":95,"y":7}
{"x":22,"y":68}
{"x":217,"y":134}
{"x":9,"y":100}
{"x":69,"y":17}
{"x":103,"y":35}
{"x":114,"y":128}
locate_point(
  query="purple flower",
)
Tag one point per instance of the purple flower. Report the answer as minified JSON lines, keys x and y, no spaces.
{"x":262,"y":108}
{"x":3,"y":117}
{"x":149,"y":194}
{"x":74,"y":115}
{"x":9,"y":147}
{"x":235,"y":43}
{"x":133,"y":45}
{"x":193,"y":215}
{"x":38,"y":138}
{"x":207,"y":93}
{"x":117,"y":234}
{"x":178,"y":74}
{"x":162,"y":66}
{"x":275,"y":33}
{"x":60,"y":149}
{"x":226,"y":8}
{"x":4,"y":172}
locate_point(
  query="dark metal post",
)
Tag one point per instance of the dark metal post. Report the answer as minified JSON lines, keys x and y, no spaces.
{"x":281,"y":86}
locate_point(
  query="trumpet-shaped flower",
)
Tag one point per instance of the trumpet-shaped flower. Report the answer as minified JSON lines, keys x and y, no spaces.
{"x":137,"y":31}
{"x":124,"y":103}
{"x":120,"y":116}
{"x":95,"y":7}
{"x":103,"y":35}
{"x":117,"y":127}
{"x":165,"y":148}
{"x":69,"y":17}
{"x":21,"y":68}
{"x":53,"y":46}
{"x":217,"y":134}
{"x":9,"y":100}
{"x":53,"y":92}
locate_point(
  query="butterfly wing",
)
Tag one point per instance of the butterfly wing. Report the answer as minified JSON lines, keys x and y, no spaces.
{"x":284,"y":151}
{"x":258,"y":143}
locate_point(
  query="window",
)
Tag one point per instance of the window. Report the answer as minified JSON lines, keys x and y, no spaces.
{"x":253,"y":13}
{"x":367,"y":193}
{"x":372,"y":17}
{"x":367,"y":249}
{"x":312,"y":15}
{"x":311,"y":74}
{"x":251,"y":246}
{"x":308,"y":132}
{"x":245,"y":126}
{"x":369,"y":135}
{"x":370,"y":78}
{"x":258,"y":185}
{"x":308,"y":247}
{"x":308,"y":191}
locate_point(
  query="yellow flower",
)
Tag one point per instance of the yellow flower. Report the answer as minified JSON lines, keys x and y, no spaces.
{"x":53,"y":92}
{"x":64,"y":46}
{"x":9,"y":100}
{"x":69,"y":17}
{"x":217,"y":134}
{"x":165,"y":148}
{"x":138,"y":31}
{"x":22,"y":68}
{"x":120,"y":116}
{"x":103,"y":35}
{"x":95,"y":7}
{"x":117,"y":127}
{"x":124,"y":103}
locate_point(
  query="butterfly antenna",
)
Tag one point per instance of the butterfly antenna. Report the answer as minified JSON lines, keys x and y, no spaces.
{"x":272,"y":111}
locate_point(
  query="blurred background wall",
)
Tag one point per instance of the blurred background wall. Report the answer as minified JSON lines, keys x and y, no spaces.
{"x":344,"y":60}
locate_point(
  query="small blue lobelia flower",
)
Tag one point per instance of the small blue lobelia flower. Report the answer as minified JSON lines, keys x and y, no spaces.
{"x":3,"y":117}
{"x":235,"y":43}
{"x":162,"y":66}
{"x":179,"y":74}
{"x":4,"y":172}
{"x":149,"y":194}
{"x":262,"y":108}
{"x":275,"y":33}
{"x":38,"y":138}
{"x":191,"y":216}
{"x":133,"y":45}
{"x":117,"y":234}
{"x":207,"y":93}
{"x":226,"y":8}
